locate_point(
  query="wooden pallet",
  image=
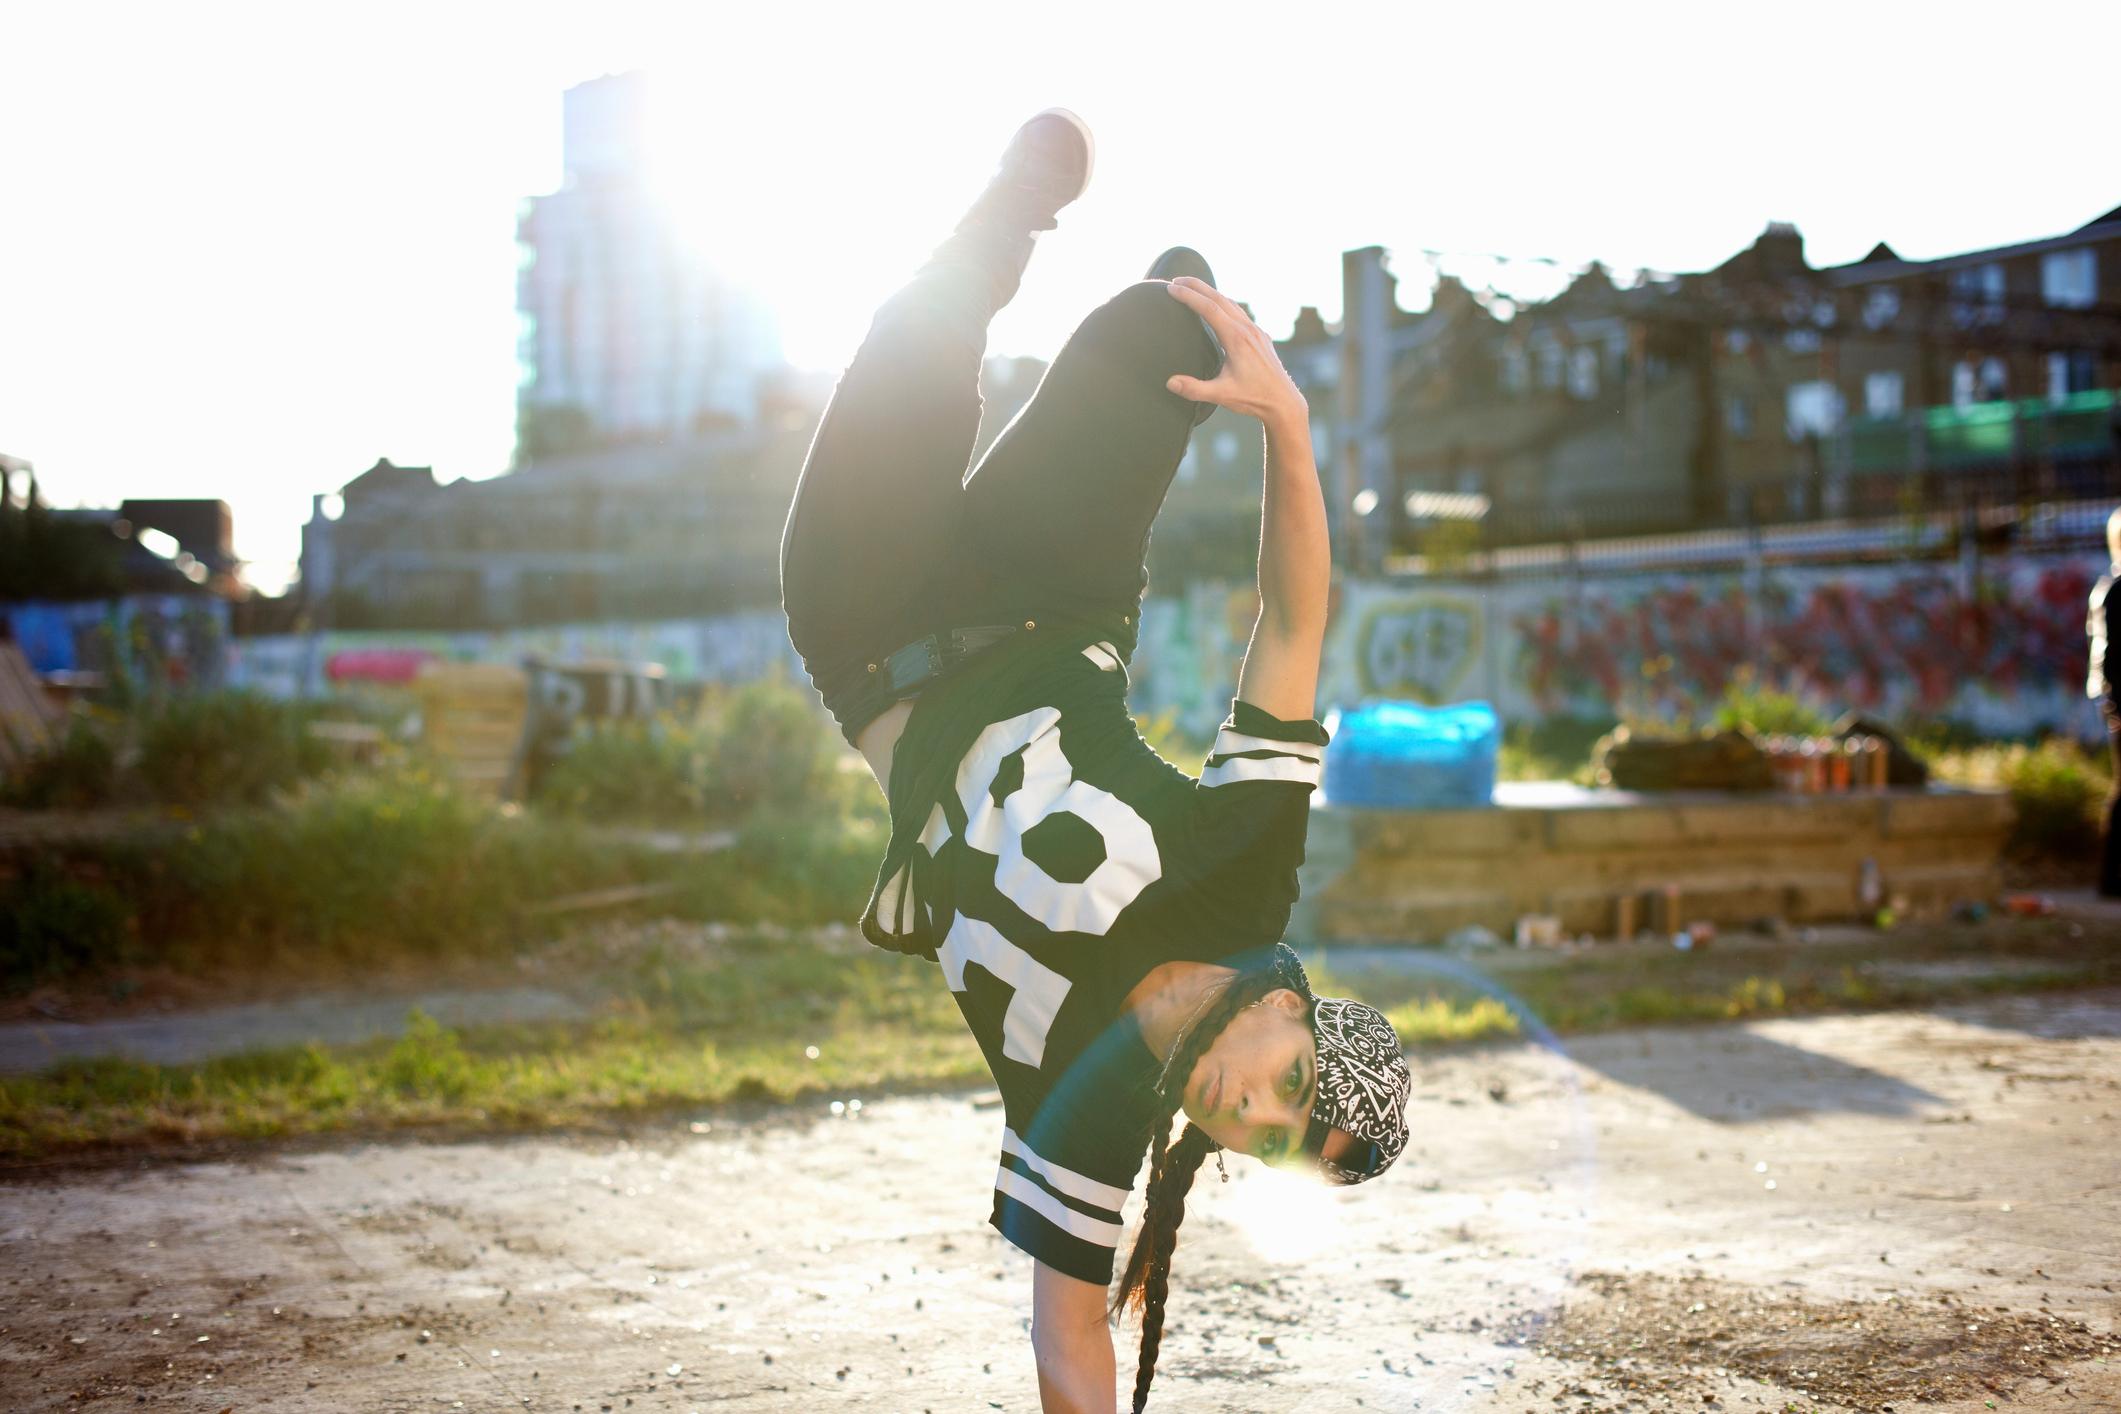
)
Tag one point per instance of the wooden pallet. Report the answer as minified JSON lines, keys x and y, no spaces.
{"x":472,"y":717}
{"x":29,"y":718}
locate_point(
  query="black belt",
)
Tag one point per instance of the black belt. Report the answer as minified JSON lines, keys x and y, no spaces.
{"x":918,"y":663}
{"x":938,"y":653}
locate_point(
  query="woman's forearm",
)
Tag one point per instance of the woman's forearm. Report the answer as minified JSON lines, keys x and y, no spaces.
{"x":1295,"y":553}
{"x":1280,"y":671}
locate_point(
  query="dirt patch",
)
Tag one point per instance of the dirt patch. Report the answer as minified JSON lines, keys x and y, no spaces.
{"x":1655,"y":1334}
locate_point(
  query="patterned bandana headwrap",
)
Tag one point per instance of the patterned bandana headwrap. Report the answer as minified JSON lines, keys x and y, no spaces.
{"x":1363,"y":1088}
{"x":1363,"y":1080}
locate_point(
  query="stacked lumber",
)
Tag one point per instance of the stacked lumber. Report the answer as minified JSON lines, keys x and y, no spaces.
{"x":28,"y":715}
{"x":472,"y":717}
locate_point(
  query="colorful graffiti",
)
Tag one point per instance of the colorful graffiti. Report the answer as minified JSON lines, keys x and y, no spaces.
{"x":146,"y":641}
{"x":1999,"y":645}
{"x":731,"y":648}
{"x":1422,"y":648}
{"x":1900,"y":638}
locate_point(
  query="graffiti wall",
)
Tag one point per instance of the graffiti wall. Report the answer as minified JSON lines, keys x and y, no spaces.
{"x":1999,"y":645}
{"x":729,"y":648}
{"x":150,"y":640}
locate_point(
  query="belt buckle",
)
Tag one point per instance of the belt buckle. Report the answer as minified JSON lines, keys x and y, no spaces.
{"x":914,"y":664}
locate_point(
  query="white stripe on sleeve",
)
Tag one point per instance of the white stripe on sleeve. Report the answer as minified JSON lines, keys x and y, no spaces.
{"x":1066,"y":1180}
{"x":1228,"y":742}
{"x":1012,"y":1184}
{"x":1267,"y":768}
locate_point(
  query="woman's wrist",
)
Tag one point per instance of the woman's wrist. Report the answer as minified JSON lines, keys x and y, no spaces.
{"x":1288,"y":414}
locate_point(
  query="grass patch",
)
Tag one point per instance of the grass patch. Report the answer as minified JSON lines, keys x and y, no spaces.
{"x":691,"y":1022}
{"x":1550,"y":749}
{"x":678,"y":1031}
{"x":1507,"y":993}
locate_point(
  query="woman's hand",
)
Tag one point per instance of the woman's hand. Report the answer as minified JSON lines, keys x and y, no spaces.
{"x":1252,"y":380}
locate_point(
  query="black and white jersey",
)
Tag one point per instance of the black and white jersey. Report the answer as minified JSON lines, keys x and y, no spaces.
{"x":1061,"y":862}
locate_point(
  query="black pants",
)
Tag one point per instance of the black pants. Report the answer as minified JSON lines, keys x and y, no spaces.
{"x":889,"y":539}
{"x":2110,"y":848}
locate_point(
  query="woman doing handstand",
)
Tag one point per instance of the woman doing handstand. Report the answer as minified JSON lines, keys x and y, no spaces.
{"x":1109,"y":925}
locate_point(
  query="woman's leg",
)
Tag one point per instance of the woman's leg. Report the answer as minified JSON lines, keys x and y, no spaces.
{"x":1057,"y":513}
{"x":876,"y":508}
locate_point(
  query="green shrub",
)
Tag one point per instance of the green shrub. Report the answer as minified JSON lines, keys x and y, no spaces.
{"x":355,"y":866}
{"x":1749,"y":705}
{"x":53,"y":923}
{"x":2057,"y":786}
{"x":770,"y":747}
{"x":77,"y":771}
{"x":227,"y":748}
{"x":762,"y":746}
{"x":641,"y":772}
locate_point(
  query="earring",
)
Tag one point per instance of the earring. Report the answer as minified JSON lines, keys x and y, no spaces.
{"x":1219,"y":1166}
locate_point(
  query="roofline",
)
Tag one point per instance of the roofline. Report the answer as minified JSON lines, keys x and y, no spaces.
{"x":1862,"y":272}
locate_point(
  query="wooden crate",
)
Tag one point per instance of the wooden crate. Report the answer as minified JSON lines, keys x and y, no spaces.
{"x":28,"y":715}
{"x":471,"y":722}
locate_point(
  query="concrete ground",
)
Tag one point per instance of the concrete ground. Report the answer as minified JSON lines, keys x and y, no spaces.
{"x":1908,"y":1210}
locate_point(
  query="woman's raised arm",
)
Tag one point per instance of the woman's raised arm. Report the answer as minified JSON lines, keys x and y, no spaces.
{"x":1280,"y":672}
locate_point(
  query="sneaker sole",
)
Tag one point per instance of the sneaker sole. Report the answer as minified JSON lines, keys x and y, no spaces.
{"x":1075,"y":120}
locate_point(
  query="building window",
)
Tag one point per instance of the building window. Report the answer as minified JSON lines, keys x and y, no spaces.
{"x":1583,"y":373}
{"x":1801,"y":341}
{"x":1973,"y":382}
{"x":1881,"y":307}
{"x":2070,"y":278}
{"x":1737,"y":341}
{"x":1814,"y":409}
{"x":1550,"y":361}
{"x":1516,"y":370}
{"x":1738,"y":416}
{"x":1883,"y":394}
{"x":1977,"y":294}
{"x":2072,"y":372}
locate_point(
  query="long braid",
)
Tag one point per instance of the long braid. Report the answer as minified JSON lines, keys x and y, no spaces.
{"x":1166,"y":1210}
{"x":1146,"y":1281}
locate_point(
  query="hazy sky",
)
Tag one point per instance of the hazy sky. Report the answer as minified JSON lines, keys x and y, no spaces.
{"x":249,"y":249}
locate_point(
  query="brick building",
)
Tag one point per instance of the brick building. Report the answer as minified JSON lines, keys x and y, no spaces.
{"x":1766,"y":388}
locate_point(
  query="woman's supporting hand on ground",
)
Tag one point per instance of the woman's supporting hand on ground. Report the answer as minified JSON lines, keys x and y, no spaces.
{"x":1252,"y":380}
{"x":1072,"y":1342}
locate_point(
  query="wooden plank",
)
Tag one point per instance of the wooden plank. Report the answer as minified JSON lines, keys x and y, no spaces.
{"x":1428,"y":833}
{"x":1948,"y":813}
{"x":27,"y":712}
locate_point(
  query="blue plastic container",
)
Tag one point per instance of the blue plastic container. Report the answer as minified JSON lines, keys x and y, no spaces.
{"x":1404,"y":756}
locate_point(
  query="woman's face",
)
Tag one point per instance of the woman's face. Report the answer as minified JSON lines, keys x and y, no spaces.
{"x":1253,"y":1087}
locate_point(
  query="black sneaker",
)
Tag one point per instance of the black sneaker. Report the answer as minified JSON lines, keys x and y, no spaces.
{"x":1180,"y":260}
{"x":1184,"y":260}
{"x":1045,"y":166}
